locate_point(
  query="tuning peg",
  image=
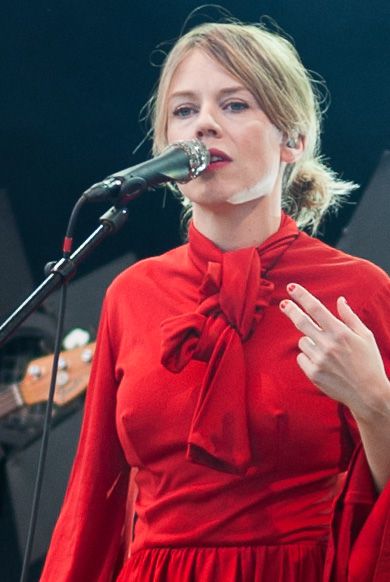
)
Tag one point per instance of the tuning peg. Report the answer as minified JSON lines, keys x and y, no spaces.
{"x":35,"y":371}
{"x":62,"y":364}
{"x":87,"y":355}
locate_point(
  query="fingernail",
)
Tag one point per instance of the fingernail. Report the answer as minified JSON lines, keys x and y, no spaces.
{"x":291,"y":287}
{"x":283,"y":304}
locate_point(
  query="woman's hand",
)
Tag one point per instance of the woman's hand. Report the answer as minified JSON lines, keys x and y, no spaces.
{"x":339,"y":355}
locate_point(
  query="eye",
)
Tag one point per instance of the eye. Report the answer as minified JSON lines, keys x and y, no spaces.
{"x":236,"y":106}
{"x":184,"y":110}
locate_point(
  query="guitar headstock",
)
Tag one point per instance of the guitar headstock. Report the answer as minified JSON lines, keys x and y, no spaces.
{"x":72,"y":377}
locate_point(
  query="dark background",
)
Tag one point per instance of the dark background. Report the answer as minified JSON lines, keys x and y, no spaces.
{"x":74,"y":77}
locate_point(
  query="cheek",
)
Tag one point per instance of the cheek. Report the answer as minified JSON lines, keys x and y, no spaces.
{"x":262,"y":151}
{"x":170,"y":135}
{"x":169,"y":131}
{"x":176,"y":132}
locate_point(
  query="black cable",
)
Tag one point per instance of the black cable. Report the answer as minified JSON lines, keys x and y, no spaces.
{"x":45,"y":437}
{"x":68,"y":240}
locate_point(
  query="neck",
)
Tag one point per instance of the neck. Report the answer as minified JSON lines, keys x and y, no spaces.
{"x":232,"y":227}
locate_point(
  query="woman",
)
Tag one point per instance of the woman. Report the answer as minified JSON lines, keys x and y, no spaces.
{"x":231,"y":372}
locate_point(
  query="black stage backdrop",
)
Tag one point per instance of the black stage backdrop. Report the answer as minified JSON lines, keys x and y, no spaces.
{"x":74,"y":77}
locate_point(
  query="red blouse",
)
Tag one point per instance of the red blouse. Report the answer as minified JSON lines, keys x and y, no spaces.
{"x":239,"y":456}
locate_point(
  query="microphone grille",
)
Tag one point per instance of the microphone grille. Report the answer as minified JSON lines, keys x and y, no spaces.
{"x":198,"y":157}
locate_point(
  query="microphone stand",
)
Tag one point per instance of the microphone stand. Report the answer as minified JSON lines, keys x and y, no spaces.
{"x":186,"y":161}
{"x":60,"y":273}
{"x":111,"y":221}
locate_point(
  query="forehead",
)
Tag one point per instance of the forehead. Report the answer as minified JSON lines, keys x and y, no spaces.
{"x":196,"y":71}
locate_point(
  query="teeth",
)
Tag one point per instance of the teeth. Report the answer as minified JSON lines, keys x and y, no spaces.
{"x":216,"y":159}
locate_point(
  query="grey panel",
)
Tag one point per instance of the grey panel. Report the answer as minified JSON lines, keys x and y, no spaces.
{"x":368,"y":233}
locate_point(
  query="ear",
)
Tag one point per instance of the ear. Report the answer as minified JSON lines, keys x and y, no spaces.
{"x":292,"y":148}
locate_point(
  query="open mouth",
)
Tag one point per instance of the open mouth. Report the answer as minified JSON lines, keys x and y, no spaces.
{"x":218,"y":159}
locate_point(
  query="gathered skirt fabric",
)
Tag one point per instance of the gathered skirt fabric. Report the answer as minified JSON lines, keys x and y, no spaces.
{"x":302,"y":562}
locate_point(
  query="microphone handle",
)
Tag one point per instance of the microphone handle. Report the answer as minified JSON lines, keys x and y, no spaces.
{"x":173,"y":165}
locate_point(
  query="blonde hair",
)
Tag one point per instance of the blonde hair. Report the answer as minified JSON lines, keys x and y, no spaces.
{"x":270,"y":68}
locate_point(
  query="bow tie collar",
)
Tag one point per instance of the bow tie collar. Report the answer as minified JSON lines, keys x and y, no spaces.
{"x":232,"y":299}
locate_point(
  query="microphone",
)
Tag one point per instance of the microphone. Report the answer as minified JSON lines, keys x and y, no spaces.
{"x":180,"y":162}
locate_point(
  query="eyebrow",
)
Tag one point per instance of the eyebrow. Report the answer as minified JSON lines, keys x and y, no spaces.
{"x":222,"y":92}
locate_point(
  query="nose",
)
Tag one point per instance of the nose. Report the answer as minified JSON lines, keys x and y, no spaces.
{"x":207,"y":124}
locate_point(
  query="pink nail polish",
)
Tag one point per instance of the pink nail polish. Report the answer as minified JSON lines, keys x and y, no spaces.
{"x":283,"y":304}
{"x":291,"y":287}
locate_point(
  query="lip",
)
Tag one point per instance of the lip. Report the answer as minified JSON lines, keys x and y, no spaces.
{"x":225,"y":159}
{"x":220,"y":154}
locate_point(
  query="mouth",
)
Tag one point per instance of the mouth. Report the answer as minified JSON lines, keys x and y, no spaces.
{"x":218,"y":159}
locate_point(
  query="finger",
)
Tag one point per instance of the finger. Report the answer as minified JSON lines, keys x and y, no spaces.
{"x":307,"y":367}
{"x":308,"y":347}
{"x":349,"y":317}
{"x":301,"y":320}
{"x":313,"y":307}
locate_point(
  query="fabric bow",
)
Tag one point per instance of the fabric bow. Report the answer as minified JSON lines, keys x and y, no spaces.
{"x":232,"y":300}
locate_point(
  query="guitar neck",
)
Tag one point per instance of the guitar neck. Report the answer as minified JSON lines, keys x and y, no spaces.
{"x":10,"y":399}
{"x":72,"y":379}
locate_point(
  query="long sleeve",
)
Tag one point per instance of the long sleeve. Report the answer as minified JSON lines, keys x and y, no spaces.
{"x":87,"y":538}
{"x":359,"y":547}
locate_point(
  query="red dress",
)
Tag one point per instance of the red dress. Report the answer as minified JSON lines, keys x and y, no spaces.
{"x":239,"y":456}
